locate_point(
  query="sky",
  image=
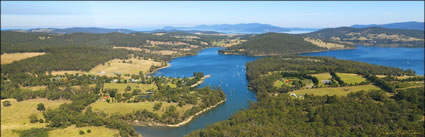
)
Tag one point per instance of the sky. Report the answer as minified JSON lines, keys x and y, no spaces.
{"x":150,"y":15}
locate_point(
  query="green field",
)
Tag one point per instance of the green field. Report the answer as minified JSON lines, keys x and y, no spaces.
{"x":279,"y":83}
{"x":321,"y":77}
{"x":350,"y":78}
{"x":122,"y":86}
{"x":339,"y":91}
{"x":126,"y":108}
{"x":15,"y":117}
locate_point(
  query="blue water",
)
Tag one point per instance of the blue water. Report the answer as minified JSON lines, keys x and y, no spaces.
{"x":404,"y":58}
{"x":227,"y":71}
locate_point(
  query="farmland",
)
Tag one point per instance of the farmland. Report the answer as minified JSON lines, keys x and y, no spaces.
{"x":15,"y":117}
{"x":8,"y":58}
{"x":339,"y":91}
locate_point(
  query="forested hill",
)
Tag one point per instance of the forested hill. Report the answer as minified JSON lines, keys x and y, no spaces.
{"x":373,"y":36}
{"x":399,"y":25}
{"x":362,"y":112}
{"x":272,"y":44}
{"x":77,"y":30}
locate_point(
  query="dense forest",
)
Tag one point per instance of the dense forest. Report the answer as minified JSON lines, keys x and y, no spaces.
{"x":358,"y":114}
{"x":272,"y":44}
{"x":396,"y":110}
{"x":373,"y":36}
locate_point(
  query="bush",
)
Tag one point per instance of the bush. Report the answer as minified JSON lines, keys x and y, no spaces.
{"x":41,"y":120}
{"x":33,"y":118}
{"x":40,"y":107}
{"x":81,"y":132}
{"x":6,"y":103}
{"x":88,"y":131}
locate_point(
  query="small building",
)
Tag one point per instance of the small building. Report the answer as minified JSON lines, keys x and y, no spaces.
{"x":326,"y":81}
{"x":293,"y":95}
{"x":115,"y":80}
{"x":102,"y":72}
{"x":134,"y":80}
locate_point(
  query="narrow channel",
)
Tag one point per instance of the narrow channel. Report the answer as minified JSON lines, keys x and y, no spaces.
{"x":227,"y":72}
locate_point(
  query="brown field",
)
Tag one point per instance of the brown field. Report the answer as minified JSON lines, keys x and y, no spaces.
{"x":8,"y":58}
{"x":15,"y":117}
{"x":117,"y":66}
{"x":73,"y":131}
{"x":128,"y":48}
{"x":66,"y":72}
{"x":322,"y":44}
{"x":126,"y":108}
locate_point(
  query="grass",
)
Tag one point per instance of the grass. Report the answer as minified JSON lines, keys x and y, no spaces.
{"x":126,"y":108}
{"x":321,"y":77}
{"x":322,"y":44}
{"x":15,"y":117}
{"x":34,"y":88}
{"x":350,"y":78}
{"x":122,"y":86}
{"x":117,"y":66}
{"x":339,"y":91}
{"x":73,"y":131}
{"x":8,"y":58}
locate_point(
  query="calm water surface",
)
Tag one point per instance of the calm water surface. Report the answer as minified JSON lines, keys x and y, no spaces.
{"x":227,"y":71}
{"x":404,"y":58}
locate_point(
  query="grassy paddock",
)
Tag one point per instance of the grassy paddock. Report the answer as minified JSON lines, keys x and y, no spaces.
{"x":8,"y":58}
{"x":15,"y":117}
{"x":126,"y":108}
{"x":321,"y":77}
{"x":122,"y":86}
{"x":117,"y":66}
{"x":73,"y":131}
{"x":339,"y":91}
{"x":350,"y":78}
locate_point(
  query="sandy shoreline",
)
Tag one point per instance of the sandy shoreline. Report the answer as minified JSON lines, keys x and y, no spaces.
{"x":179,"y":124}
{"x":200,"y":81}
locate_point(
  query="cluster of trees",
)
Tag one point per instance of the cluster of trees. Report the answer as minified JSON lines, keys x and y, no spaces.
{"x":358,"y":114}
{"x":182,"y":96}
{"x":272,"y":44}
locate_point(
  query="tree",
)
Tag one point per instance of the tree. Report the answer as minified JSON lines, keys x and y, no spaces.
{"x":88,"y":130}
{"x":157,"y":106}
{"x":81,"y":132}
{"x":128,"y":88}
{"x":40,"y":107}
{"x":6,"y":103}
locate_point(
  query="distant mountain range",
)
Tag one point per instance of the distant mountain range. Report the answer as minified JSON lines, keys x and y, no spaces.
{"x":77,"y":29}
{"x":238,"y":28}
{"x":400,"y":25}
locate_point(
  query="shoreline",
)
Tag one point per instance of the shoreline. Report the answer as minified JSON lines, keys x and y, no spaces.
{"x":184,"y":122}
{"x":163,"y":67}
{"x":200,"y":81}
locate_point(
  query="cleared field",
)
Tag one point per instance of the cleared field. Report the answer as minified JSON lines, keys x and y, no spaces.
{"x":321,"y":77}
{"x":8,"y":58}
{"x":35,"y":87}
{"x":131,"y":66}
{"x":122,"y":86}
{"x":128,"y":48}
{"x":73,"y":131}
{"x":350,"y":78}
{"x":67,"y":72}
{"x":322,"y":44}
{"x":15,"y":117}
{"x":339,"y":91}
{"x":126,"y":108}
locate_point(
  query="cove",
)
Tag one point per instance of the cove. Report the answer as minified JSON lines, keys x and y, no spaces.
{"x":404,"y":58}
{"x":227,"y":72}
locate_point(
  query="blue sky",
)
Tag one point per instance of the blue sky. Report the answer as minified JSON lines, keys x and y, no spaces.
{"x":147,"y":15}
